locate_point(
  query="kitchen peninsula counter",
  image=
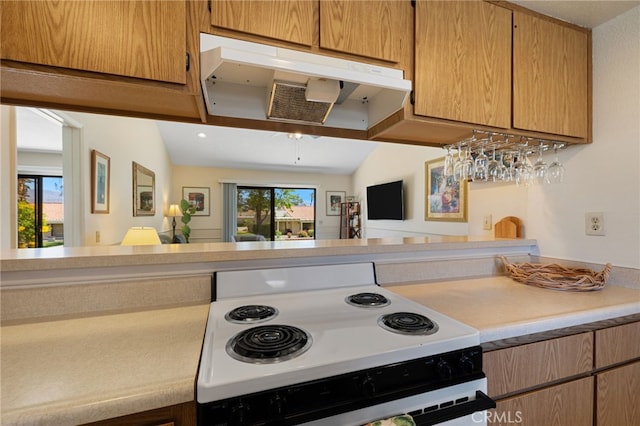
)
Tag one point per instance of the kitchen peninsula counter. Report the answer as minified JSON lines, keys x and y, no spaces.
{"x":85,"y":369}
{"x":102,"y":332}
{"x":194,"y":255}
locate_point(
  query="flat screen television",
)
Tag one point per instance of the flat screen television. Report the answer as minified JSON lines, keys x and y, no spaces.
{"x":385,"y":201}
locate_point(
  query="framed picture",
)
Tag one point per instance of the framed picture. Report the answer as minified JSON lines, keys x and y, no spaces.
{"x":445,"y":199}
{"x":334,"y":198}
{"x":100,"y":177}
{"x":144,"y":187}
{"x":198,"y":198}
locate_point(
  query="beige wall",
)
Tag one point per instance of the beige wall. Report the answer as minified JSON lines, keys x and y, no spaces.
{"x":8,"y":178}
{"x":124,"y":140}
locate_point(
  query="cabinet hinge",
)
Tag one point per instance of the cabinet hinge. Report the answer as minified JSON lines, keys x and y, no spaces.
{"x":188,"y":61}
{"x":413,"y":4}
{"x":412,"y":98}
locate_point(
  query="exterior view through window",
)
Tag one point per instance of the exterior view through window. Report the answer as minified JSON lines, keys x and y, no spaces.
{"x":276,"y":214}
{"x":40,"y":211}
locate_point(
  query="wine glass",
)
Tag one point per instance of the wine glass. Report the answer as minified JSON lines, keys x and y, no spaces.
{"x":555,"y":172}
{"x":457,"y":166}
{"x":449,"y":161}
{"x":508,"y":158}
{"x":480,"y":165}
{"x":494,"y":169}
{"x":540,"y":167}
{"x":467,"y":165}
{"x":521,"y":167}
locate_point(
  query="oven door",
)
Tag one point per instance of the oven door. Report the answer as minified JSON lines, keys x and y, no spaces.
{"x":460,"y":405}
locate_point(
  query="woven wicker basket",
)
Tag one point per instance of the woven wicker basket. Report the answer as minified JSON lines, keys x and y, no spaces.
{"x":557,"y":277}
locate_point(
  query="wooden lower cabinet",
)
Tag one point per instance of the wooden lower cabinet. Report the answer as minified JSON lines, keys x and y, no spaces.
{"x":561,"y":405}
{"x":175,"y":415}
{"x":590,"y":378}
{"x":618,"y":391}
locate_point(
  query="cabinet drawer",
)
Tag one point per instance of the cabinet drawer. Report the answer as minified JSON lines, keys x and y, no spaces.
{"x":617,"y":402}
{"x":513,"y":369}
{"x":566,"y":404}
{"x":617,"y":344}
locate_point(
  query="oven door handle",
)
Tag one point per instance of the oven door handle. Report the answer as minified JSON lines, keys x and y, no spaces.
{"x":481,"y":403}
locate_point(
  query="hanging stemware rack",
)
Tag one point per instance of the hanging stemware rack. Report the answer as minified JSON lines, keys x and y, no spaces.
{"x":504,"y":142}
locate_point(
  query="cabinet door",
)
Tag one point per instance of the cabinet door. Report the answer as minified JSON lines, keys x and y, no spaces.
{"x":366,"y":28}
{"x":145,"y":39}
{"x":566,"y":404}
{"x":463,"y":62}
{"x":617,"y":396}
{"x":288,"y":20}
{"x":550,"y":77}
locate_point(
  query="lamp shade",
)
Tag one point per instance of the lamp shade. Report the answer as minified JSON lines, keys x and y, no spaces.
{"x":174,"y":210}
{"x":138,"y":236}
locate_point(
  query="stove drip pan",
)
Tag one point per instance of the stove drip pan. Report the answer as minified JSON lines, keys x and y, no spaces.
{"x":408,"y":323}
{"x":251,"y":314}
{"x":367,"y":300}
{"x":268,"y":344}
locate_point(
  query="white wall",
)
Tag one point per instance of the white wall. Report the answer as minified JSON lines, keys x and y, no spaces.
{"x":604,"y":176}
{"x":208,"y":228}
{"x":8,"y":178}
{"x":390,"y":162}
{"x":124,"y":140}
{"x":601,"y":177}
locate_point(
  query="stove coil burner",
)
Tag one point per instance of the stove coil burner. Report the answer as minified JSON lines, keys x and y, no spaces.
{"x":367,"y":300}
{"x":251,"y":314}
{"x":408,"y":323}
{"x":268,"y":344}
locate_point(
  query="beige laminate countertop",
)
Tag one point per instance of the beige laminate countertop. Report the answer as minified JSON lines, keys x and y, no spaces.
{"x":500,"y":307}
{"x":74,"y":371}
{"x":81,"y":370}
{"x":43,"y":260}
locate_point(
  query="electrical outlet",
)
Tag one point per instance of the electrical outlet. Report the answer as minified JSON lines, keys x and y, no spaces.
{"x":594,"y":223}
{"x":97,"y":236}
{"x":486,"y":223}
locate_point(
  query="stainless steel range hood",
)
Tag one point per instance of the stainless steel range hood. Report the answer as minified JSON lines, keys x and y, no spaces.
{"x":254,"y":81}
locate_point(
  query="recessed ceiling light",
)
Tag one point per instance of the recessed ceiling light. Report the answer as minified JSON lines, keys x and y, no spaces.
{"x":201,"y":135}
{"x":297,"y":136}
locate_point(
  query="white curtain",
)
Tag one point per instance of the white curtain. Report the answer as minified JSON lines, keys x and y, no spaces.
{"x":230,"y":210}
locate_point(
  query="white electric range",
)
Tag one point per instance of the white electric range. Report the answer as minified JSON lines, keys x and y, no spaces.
{"x":326,"y":345}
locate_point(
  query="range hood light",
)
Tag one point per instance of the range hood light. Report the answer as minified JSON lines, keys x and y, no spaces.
{"x":322,"y":90}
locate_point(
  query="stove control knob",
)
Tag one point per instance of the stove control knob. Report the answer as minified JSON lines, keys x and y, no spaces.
{"x":444,"y":369}
{"x":276,"y":406}
{"x":466,"y":364}
{"x":239,"y":413}
{"x":368,"y":386}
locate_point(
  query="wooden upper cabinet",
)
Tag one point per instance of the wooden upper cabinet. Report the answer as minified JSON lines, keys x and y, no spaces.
{"x":365,"y":28}
{"x":550,"y":77}
{"x":287,"y":20}
{"x":143,"y":39}
{"x":463,"y":62}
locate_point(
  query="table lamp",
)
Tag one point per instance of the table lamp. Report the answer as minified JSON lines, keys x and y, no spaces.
{"x":141,"y":235}
{"x":174,"y":210}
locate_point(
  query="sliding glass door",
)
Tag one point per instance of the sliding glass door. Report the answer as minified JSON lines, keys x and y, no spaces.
{"x":275,"y":213}
{"x":40,"y":211}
